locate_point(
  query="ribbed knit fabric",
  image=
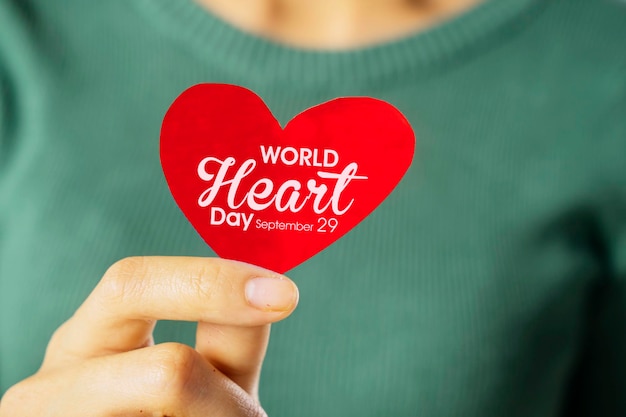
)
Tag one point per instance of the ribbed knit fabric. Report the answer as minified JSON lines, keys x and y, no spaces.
{"x":491,"y":283}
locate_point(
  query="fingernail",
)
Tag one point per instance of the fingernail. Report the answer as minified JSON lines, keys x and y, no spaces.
{"x":271,"y":294}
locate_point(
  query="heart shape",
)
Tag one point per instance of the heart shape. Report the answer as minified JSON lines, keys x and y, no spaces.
{"x":275,"y":197}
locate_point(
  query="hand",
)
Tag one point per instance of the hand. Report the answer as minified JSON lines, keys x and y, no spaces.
{"x":103,"y":362}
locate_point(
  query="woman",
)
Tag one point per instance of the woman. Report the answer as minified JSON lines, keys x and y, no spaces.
{"x":492,"y":282}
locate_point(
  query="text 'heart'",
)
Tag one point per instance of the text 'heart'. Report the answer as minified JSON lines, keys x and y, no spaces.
{"x":275,"y":197}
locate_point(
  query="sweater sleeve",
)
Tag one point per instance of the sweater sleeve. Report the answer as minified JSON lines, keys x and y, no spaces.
{"x":7,"y":44}
{"x":4,"y":111}
{"x":6,"y":121}
{"x":599,"y":382}
{"x":20,"y":76}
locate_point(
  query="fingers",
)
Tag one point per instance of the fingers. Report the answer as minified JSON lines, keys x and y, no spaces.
{"x":102,"y":361}
{"x":120,"y":313}
{"x":237,"y":352}
{"x":167,"y":379}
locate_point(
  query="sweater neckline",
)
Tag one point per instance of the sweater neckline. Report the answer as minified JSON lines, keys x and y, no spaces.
{"x":253,"y":58}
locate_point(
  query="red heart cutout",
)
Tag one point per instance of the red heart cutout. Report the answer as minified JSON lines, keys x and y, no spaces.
{"x":275,"y":197}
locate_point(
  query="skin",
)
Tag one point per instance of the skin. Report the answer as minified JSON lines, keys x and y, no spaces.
{"x":335,"y":24}
{"x":103,"y":362}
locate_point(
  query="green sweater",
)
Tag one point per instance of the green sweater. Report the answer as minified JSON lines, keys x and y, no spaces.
{"x":491,"y":283}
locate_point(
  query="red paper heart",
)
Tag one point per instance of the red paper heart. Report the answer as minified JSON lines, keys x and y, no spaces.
{"x":219,"y":152}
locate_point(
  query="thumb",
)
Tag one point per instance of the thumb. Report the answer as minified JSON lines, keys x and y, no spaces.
{"x":238,"y":351}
